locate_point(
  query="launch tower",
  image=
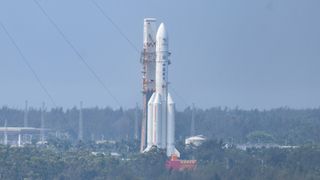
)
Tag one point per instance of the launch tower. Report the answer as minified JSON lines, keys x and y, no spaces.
{"x":148,"y":60}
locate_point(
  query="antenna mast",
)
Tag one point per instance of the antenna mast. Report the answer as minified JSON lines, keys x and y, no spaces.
{"x":80,"y":133}
{"x":192,"y":130}
{"x":25,"y":119}
{"x":5,"y":133}
{"x":42,"y":139}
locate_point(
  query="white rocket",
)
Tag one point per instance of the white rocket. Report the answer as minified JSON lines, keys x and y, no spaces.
{"x":161,"y":108}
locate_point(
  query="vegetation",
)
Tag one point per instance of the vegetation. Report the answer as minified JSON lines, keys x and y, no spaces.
{"x":119,"y":157}
{"x":282,"y":125}
{"x":215,"y":161}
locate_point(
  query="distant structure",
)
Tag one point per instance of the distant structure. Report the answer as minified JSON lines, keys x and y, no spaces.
{"x":148,"y":60}
{"x":80,"y":132}
{"x":180,"y":165}
{"x":161,"y":107}
{"x":263,"y":145}
{"x":5,"y":133}
{"x":192,"y":128}
{"x":136,"y":123}
{"x":20,"y":136}
{"x":195,"y":140}
{"x":25,"y":119}
{"x":12,"y":135}
{"x":42,"y":136}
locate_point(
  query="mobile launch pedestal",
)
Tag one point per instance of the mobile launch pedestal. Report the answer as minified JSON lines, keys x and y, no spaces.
{"x":160,"y":108}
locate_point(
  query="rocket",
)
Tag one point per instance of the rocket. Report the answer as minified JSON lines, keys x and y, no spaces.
{"x":161,"y":107}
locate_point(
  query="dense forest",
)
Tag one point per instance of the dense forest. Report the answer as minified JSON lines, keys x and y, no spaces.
{"x":62,"y":161}
{"x":281,"y":125}
{"x":217,"y":158}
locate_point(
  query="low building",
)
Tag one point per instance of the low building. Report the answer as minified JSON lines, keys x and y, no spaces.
{"x":195,"y":140}
{"x":180,"y":165}
{"x":18,"y":136}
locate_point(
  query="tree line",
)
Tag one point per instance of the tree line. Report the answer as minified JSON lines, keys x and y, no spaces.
{"x":280,"y":125}
{"x":215,"y":161}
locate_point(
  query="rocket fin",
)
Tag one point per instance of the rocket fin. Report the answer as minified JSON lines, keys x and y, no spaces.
{"x":176,"y":152}
{"x":148,"y":148}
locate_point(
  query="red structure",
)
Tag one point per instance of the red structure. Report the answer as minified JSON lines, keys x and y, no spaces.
{"x":180,"y":165}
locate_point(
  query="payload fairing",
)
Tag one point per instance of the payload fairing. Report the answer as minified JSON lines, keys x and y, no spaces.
{"x":161,"y":108}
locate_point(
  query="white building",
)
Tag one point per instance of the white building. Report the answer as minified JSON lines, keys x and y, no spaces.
{"x":195,"y":140}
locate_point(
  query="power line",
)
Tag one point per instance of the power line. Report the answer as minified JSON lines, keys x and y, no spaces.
{"x":127,"y":39}
{"x":114,"y":25}
{"x":179,"y":96}
{"x":28,"y":64}
{"x":30,"y":68}
{"x":76,"y":52}
{"x":105,"y":15}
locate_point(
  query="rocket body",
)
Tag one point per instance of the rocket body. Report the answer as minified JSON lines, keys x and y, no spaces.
{"x":161,"y":108}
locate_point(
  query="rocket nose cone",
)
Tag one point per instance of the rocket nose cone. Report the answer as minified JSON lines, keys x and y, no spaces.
{"x":162,"y":32}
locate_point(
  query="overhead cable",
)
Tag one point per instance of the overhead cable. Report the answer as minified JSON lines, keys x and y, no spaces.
{"x":27,"y":63}
{"x":80,"y":57}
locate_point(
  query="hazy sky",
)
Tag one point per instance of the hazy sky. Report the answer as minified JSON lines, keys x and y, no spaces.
{"x":246,"y":53}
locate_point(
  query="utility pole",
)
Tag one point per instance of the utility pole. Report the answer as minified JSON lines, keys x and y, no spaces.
{"x":42,"y":139}
{"x":192,"y":129}
{"x":136,"y":122}
{"x":25,"y":119}
{"x":5,"y":133}
{"x":80,"y":133}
